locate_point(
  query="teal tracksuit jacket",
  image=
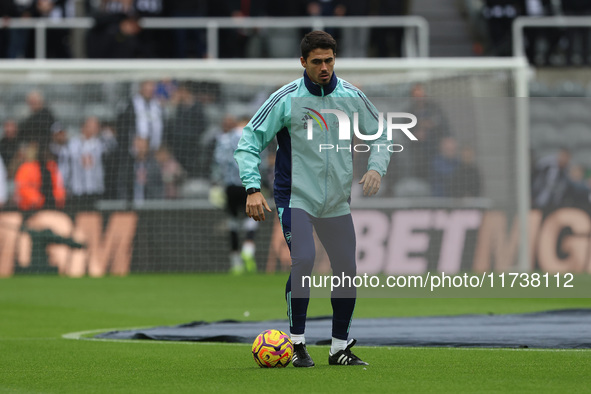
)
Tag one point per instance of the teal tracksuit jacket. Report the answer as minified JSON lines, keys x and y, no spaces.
{"x":313,"y":168}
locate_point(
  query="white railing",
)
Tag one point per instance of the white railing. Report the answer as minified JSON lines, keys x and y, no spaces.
{"x":415,"y":42}
{"x":519,"y":24}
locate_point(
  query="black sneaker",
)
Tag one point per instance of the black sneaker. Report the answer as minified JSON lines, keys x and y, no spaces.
{"x":345,"y":357}
{"x":301,"y":358}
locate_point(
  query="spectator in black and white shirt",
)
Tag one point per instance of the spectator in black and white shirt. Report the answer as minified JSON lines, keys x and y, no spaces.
{"x":142,"y":118}
{"x":85,"y":181}
{"x":58,"y":146}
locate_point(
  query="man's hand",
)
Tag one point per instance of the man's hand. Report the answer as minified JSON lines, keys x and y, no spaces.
{"x":371,"y":182}
{"x":256,"y":206}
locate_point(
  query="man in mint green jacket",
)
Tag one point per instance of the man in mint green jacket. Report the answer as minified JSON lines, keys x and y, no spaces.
{"x":313,"y":119}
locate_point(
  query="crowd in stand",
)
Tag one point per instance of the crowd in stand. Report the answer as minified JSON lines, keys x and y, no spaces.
{"x":543,"y":45}
{"x":558,"y":182}
{"x":441,"y":165}
{"x":161,"y":138}
{"x":117,"y":33}
{"x":141,"y":155}
{"x":148,"y":152}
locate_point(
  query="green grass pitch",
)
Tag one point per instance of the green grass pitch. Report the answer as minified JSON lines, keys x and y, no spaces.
{"x":35,"y":311}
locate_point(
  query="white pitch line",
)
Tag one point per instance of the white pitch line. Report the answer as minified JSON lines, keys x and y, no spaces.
{"x":527,"y":349}
{"x":80,"y":335}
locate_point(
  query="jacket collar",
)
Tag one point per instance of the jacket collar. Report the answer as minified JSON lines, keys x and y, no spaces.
{"x":318,"y":90}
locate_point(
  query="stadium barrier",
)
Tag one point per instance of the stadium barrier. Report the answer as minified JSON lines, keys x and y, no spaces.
{"x":556,"y":22}
{"x":415,"y":40}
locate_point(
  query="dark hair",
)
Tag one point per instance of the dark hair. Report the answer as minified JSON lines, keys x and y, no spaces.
{"x":317,"y":39}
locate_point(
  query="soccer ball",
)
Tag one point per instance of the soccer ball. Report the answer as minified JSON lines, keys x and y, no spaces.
{"x":272,"y":349}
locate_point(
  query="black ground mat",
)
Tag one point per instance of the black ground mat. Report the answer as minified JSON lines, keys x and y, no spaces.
{"x":559,"y":329}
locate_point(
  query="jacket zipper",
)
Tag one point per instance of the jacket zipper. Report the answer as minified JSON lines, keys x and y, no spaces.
{"x":326,"y":140}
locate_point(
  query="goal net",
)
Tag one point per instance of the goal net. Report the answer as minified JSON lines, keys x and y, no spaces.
{"x":141,"y":152}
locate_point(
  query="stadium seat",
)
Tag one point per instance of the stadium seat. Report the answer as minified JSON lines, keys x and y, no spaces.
{"x":539,"y":89}
{"x":195,"y":188}
{"x":583,"y":158}
{"x":67,"y":112}
{"x":17,"y":93}
{"x":412,"y":187}
{"x":570,"y":89}
{"x":19,"y":111}
{"x":544,"y":136}
{"x":240,"y":92}
{"x":102,"y":111}
{"x":238,"y":109}
{"x":577,"y":135}
{"x":541,"y":109}
{"x":574,"y":109}
{"x":63,"y":92}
